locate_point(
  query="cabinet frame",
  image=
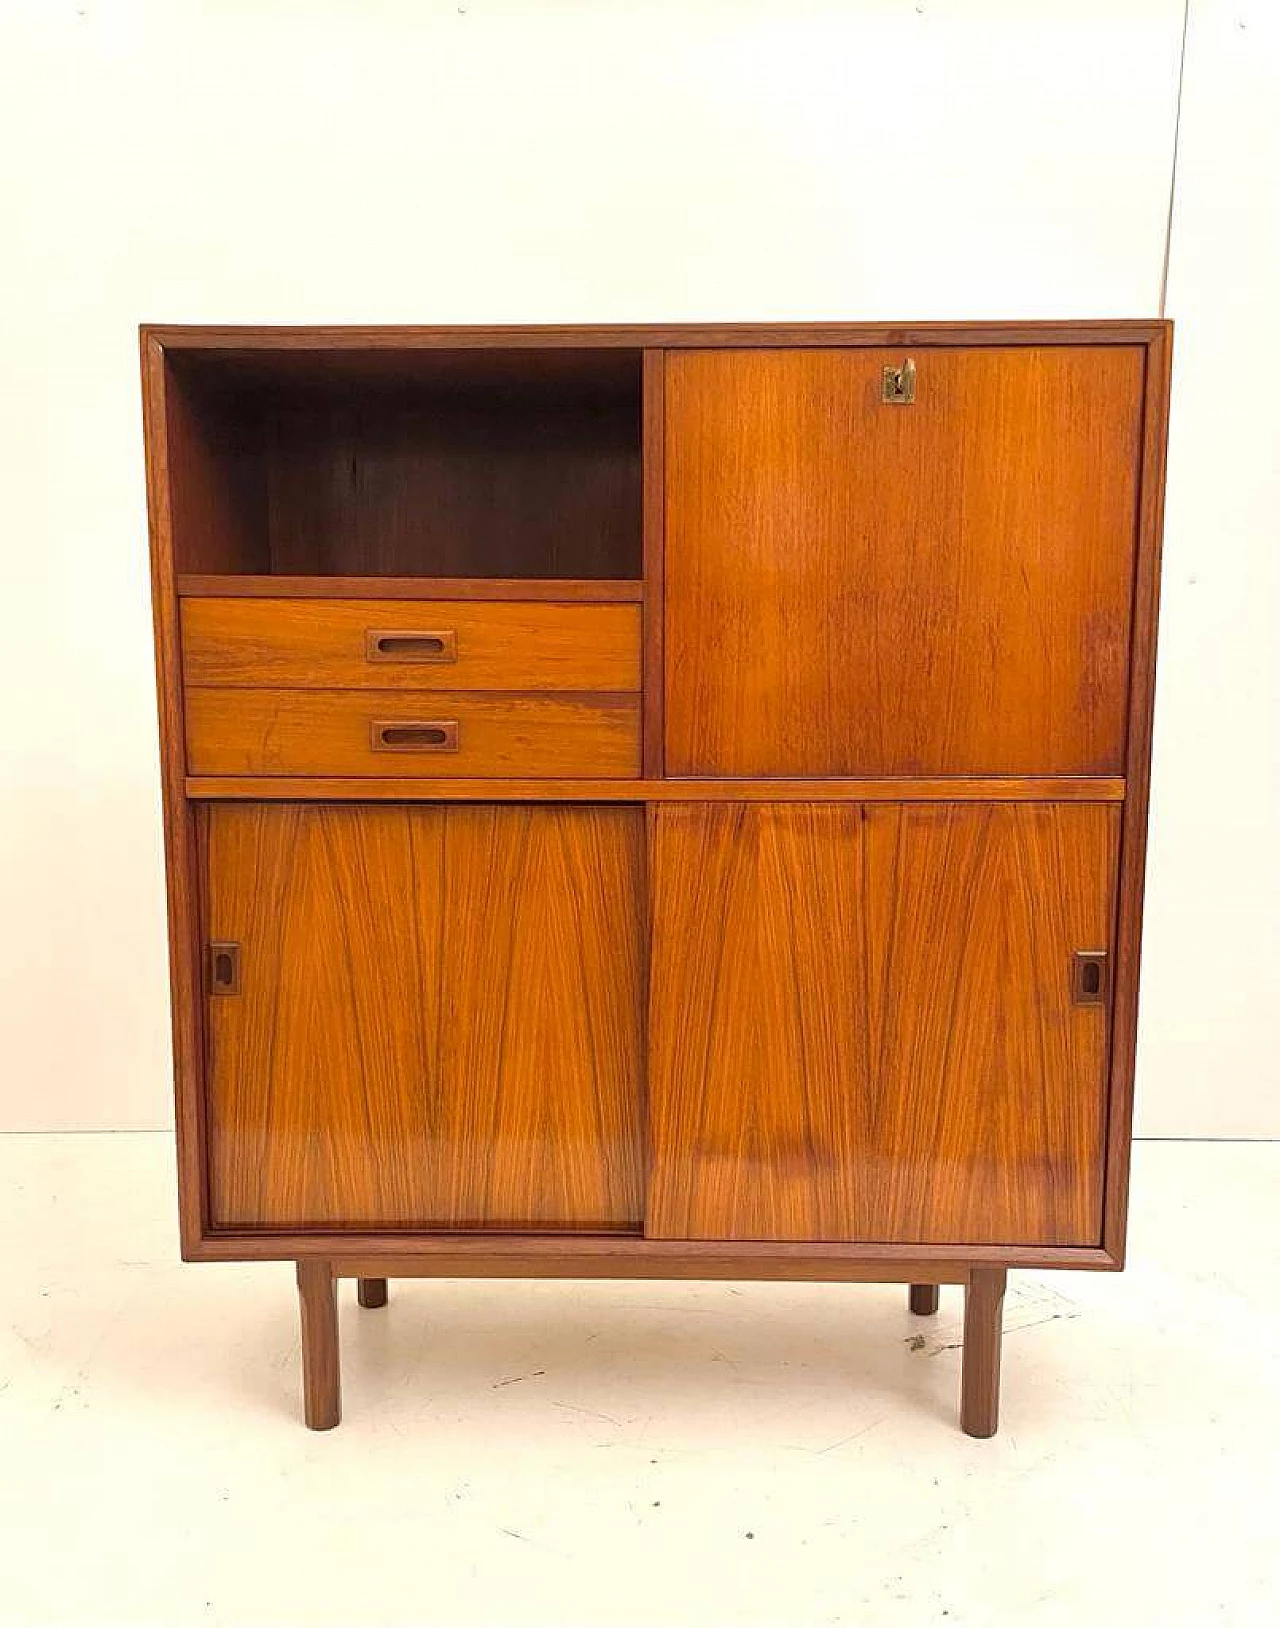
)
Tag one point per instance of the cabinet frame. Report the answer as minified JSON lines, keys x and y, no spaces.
{"x":168,"y":434}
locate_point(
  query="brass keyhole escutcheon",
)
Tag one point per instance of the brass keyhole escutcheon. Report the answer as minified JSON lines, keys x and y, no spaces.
{"x":899,"y":388}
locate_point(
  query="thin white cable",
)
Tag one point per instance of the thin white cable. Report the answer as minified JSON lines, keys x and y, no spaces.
{"x":1173,"y":169}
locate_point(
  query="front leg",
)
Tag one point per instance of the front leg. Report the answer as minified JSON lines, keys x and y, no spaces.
{"x":980,"y":1382}
{"x":321,"y":1377}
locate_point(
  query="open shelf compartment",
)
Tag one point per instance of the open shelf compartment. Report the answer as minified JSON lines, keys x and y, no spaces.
{"x":502,"y":467}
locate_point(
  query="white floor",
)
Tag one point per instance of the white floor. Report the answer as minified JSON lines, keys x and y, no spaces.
{"x":519,"y":1453}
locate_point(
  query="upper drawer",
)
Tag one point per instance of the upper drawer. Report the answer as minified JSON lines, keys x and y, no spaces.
{"x":410,"y":644}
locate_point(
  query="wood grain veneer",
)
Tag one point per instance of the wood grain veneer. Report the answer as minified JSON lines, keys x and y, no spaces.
{"x":641,"y":1258}
{"x":165,"y":426}
{"x":439,"y":1017}
{"x":980,"y":1383}
{"x":474,"y":483}
{"x":1146,"y":603}
{"x":319,"y":732}
{"x":263,"y":346}
{"x":885,"y":789}
{"x":860,"y":1023}
{"x":610,"y":590}
{"x":321,"y":1372}
{"x":859,"y":589}
{"x":484,"y":1253}
{"x":653,"y":430}
{"x":323,"y":644}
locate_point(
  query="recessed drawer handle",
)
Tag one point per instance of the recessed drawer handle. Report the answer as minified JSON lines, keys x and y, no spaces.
{"x":388,"y":644}
{"x":399,"y":735}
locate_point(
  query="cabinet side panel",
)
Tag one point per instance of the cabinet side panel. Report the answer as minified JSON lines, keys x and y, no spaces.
{"x":217,"y":478}
{"x":162,"y":438}
{"x":1146,"y":599}
{"x":855,"y":587}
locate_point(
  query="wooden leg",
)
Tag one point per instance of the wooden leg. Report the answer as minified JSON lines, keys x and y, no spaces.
{"x":371,"y":1292}
{"x":321,"y":1380}
{"x":980,"y":1384}
{"x":923,"y":1299}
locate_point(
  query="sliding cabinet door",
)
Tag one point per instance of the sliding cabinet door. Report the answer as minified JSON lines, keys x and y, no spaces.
{"x":870,"y":1023}
{"x":424,"y":1016}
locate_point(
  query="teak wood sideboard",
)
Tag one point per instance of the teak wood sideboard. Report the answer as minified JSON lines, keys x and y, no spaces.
{"x":656,"y":802}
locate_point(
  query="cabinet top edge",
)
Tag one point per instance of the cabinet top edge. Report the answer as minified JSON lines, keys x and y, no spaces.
{"x":1143,"y":330}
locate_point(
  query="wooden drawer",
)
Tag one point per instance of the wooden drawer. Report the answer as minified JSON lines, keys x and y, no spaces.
{"x":410,"y":644}
{"x":394,"y":732}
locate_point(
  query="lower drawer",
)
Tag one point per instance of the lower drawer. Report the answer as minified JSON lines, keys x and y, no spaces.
{"x":395,"y":732}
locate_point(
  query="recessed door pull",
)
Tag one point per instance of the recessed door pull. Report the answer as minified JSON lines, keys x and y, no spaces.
{"x":224,"y":969}
{"x":1089,"y":977}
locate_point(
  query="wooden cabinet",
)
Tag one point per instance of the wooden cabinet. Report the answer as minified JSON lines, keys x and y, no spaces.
{"x":656,"y":802}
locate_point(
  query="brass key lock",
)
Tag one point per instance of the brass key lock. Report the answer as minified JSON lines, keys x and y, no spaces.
{"x":900,"y":384}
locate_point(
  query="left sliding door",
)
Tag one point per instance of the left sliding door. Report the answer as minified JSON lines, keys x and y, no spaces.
{"x":424,"y":1016}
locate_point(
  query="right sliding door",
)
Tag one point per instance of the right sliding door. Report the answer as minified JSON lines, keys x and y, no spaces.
{"x":880,"y":1022}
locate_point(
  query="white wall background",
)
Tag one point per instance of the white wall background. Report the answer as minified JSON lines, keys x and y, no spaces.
{"x":496,"y":160}
{"x":1209,"y":1046}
